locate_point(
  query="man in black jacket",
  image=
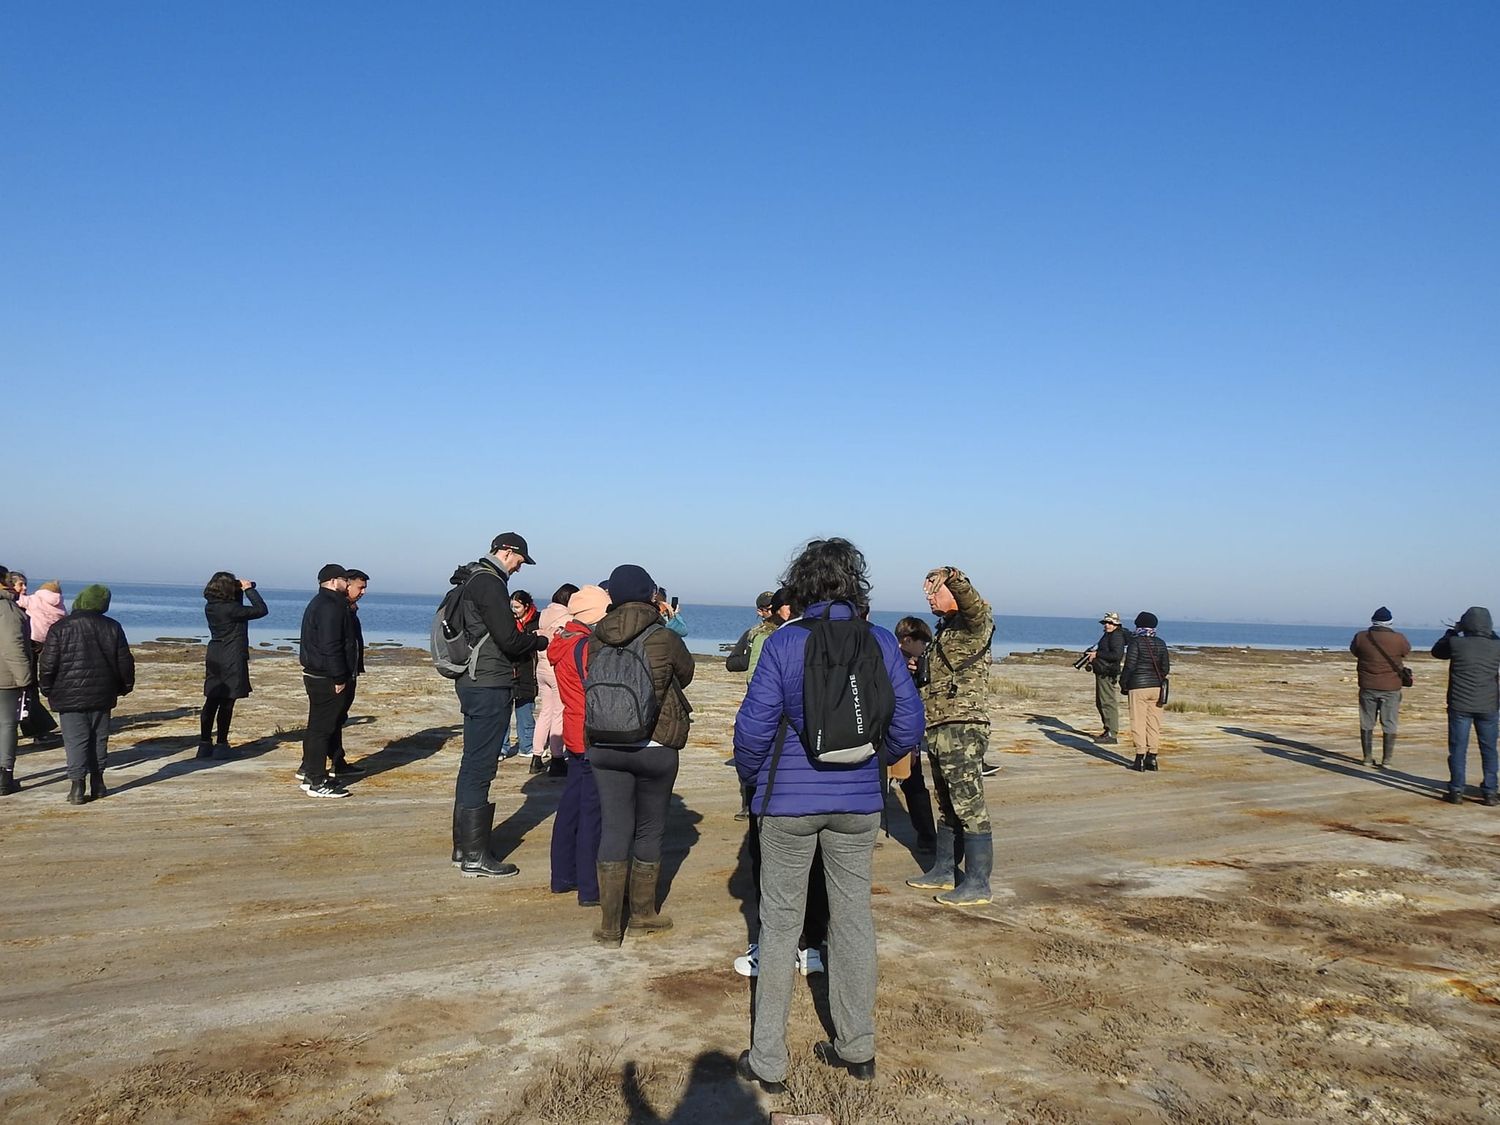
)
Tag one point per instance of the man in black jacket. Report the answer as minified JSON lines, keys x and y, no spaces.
{"x":329,"y":659}
{"x":357,"y":582}
{"x":484,"y":696}
{"x":1473,"y":698}
{"x":1108,"y":658}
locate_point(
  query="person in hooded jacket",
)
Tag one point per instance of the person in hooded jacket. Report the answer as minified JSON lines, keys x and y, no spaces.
{"x":15,"y":678}
{"x":635,"y":781}
{"x":85,"y":668}
{"x":817,"y":806}
{"x":226,"y":670}
{"x":547,"y":751}
{"x":44,"y":609}
{"x":1473,"y":653}
{"x":575,"y":829}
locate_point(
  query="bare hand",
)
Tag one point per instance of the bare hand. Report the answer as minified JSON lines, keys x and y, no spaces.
{"x":338,"y":688}
{"x":246,"y":584}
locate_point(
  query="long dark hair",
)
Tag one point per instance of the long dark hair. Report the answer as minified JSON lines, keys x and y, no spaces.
{"x":561,"y":595}
{"x":827,"y":570}
{"x":222,"y":587}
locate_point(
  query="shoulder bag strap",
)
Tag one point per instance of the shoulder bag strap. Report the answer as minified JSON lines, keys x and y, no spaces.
{"x":781,"y":730}
{"x":968,"y":661}
{"x":1396,"y":668}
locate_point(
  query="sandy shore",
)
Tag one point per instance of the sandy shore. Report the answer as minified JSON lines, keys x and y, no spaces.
{"x":1264,"y":931}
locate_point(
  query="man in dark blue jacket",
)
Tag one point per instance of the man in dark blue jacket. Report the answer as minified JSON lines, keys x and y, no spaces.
{"x":329,"y":658}
{"x":1473,"y":699}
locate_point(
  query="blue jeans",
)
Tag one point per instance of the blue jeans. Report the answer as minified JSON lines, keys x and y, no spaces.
{"x":485,"y":712}
{"x":525,"y":728}
{"x":1485,"y":724}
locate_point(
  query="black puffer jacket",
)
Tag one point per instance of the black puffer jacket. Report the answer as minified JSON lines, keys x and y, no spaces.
{"x":1475,"y":654}
{"x":1109,"y":652}
{"x":86,"y":663}
{"x":1139,"y":670}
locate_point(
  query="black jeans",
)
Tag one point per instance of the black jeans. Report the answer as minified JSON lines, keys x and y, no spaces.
{"x":635,"y":787}
{"x":323,"y":704}
{"x":336,"y":744}
{"x":218,"y":712}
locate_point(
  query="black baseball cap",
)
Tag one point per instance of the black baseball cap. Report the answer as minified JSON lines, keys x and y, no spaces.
{"x":511,"y":541}
{"x":331,"y":571}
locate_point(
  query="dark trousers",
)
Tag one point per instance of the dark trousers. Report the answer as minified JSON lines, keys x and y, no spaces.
{"x":1486,"y":724}
{"x":635,"y":787}
{"x":336,"y":744}
{"x":216,"y":712}
{"x":815,"y":917}
{"x":10,"y":708}
{"x":486,"y":710}
{"x":86,"y":741}
{"x":919,"y":802}
{"x":575,"y":833}
{"x":323,"y":704}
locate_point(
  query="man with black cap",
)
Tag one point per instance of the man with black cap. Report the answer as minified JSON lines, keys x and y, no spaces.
{"x":329,"y":658}
{"x":484,"y":695}
{"x":1108,"y":657}
{"x":738,"y":659}
{"x":1379,"y":652}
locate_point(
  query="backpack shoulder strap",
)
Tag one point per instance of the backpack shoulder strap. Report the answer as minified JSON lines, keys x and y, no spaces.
{"x":966,"y":662}
{"x":578,"y":655}
{"x":776,"y":749}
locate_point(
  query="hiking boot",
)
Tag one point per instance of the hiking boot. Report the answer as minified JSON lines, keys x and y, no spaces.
{"x":979,"y":857}
{"x":744,"y":1070}
{"x":644,"y":917}
{"x":1149,"y":765}
{"x":223,"y":752}
{"x":1367,"y":747}
{"x":809,"y":961}
{"x":864,"y":1071}
{"x":749,"y":964}
{"x":557,"y":767}
{"x":940,"y":876}
{"x":347,"y":769}
{"x":206,"y":750}
{"x":1107,"y":740}
{"x":8,"y":783}
{"x":1387,"y":750}
{"x":537,"y":765}
{"x":326,"y":788}
{"x":1490,"y":800}
{"x":474,"y":828}
{"x":1139,"y":765}
{"x":76,"y":795}
{"x":612,"y":880}
{"x":1453,"y":797}
{"x":96,"y":785}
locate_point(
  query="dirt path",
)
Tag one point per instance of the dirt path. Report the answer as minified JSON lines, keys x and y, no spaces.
{"x":1264,"y":931}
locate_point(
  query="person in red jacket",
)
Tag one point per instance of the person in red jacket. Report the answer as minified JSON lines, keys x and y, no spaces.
{"x":575,"y":831}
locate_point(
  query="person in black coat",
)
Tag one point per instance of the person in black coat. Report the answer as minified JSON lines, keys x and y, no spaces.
{"x":329,"y":658}
{"x":1144,"y":674}
{"x":226,"y":669}
{"x":341,"y":766}
{"x":85,"y":667}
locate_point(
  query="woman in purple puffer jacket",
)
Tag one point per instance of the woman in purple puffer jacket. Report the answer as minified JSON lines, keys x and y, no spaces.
{"x":817,"y":805}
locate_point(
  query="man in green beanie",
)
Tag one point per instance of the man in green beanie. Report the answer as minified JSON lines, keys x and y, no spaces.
{"x":86,"y":666}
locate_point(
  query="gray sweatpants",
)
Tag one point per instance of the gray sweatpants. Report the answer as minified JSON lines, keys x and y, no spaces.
{"x":1386,"y":703}
{"x":787,"y":844}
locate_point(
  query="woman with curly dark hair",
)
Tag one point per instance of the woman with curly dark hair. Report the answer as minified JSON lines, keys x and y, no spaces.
{"x":226,"y":674}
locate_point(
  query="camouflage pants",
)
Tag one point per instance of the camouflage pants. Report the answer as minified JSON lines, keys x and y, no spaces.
{"x":956,"y":753}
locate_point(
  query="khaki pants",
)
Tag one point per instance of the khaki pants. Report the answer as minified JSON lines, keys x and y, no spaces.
{"x":1145,"y":719}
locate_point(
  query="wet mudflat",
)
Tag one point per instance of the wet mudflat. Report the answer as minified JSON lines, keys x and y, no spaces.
{"x":1264,"y":931}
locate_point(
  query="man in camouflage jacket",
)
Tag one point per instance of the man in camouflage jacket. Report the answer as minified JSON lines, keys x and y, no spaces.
{"x":956,"y":700}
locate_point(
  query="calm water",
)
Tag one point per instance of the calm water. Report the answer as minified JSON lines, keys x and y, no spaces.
{"x":150,"y":612}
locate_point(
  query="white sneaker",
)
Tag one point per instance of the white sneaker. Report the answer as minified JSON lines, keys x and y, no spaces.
{"x":301,"y":774}
{"x":809,"y":961}
{"x":749,"y":964}
{"x":324,"y":789}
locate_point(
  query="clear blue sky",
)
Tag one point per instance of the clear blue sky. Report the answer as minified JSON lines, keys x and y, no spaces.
{"x":1181,"y":306}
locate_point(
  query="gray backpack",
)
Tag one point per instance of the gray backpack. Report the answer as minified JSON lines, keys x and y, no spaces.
{"x":452,"y":655}
{"x":620,"y":706}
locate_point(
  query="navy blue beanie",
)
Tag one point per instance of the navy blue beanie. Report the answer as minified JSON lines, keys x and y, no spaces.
{"x":1144,"y":620}
{"x":631,"y":583}
{"x":1381,"y":616}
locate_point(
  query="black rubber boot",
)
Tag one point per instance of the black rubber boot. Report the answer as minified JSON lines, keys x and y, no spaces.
{"x":474,"y":827}
{"x":458,"y":850}
{"x":8,"y":783}
{"x":979,"y":858}
{"x":942,"y":875}
{"x":1387,"y":750}
{"x":1367,"y":746}
{"x":76,"y":795}
{"x":96,"y":785}
{"x":1139,"y":764}
{"x":612,"y":878}
{"x":644,"y":918}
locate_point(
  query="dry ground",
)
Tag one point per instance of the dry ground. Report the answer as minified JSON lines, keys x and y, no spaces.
{"x":1264,"y":931}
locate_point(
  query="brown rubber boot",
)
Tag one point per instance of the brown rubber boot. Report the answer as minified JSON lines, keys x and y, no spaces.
{"x":644,"y":919}
{"x":612,"y":877}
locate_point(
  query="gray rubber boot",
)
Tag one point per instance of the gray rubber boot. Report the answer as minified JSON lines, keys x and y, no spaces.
{"x":979,"y":858}
{"x":1367,"y":746}
{"x":941,"y":876}
{"x":1387,"y":750}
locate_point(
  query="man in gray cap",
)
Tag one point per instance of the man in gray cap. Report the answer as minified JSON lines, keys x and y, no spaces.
{"x":1108,"y":657}
{"x":484,"y":695}
{"x":329,"y":659}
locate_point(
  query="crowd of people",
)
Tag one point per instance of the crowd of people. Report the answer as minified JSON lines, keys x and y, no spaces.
{"x":593,"y":685}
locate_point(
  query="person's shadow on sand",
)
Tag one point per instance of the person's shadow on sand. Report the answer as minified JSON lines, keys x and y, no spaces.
{"x":1305,"y":753}
{"x":714,"y":1093}
{"x":539,"y":800}
{"x":1074,"y":739}
{"x":677,"y":842}
{"x":405,"y":750}
{"x":170,"y":747}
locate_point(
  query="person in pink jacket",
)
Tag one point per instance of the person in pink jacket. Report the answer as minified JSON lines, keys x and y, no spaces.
{"x":547,"y":737}
{"x":45,"y":609}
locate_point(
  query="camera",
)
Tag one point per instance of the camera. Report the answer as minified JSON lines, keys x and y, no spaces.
{"x":1084,"y":663}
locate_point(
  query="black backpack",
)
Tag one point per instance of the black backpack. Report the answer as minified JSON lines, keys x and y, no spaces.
{"x":620,"y":706}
